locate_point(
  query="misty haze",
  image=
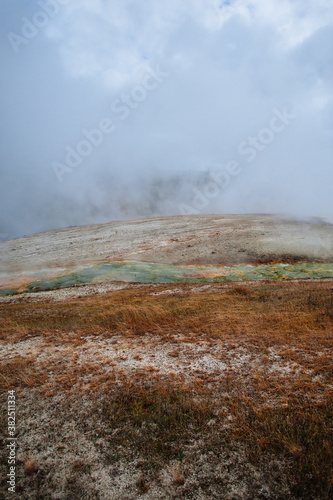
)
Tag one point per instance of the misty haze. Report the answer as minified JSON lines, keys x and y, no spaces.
{"x":183,"y":88}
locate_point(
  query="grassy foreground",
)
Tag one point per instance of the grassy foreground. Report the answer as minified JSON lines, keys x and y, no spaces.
{"x":173,"y":391}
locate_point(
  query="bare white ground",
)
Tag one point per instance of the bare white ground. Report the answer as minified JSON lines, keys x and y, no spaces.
{"x":182,"y":240}
{"x":49,"y":431}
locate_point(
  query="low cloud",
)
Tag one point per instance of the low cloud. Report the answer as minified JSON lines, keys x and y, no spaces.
{"x":230,"y":67}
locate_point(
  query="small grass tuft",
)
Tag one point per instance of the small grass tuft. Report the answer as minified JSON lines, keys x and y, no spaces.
{"x":142,"y":486}
{"x":177,"y":472}
{"x":30,"y":466}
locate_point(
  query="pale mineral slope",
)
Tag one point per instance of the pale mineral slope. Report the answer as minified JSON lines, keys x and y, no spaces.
{"x":190,"y":239}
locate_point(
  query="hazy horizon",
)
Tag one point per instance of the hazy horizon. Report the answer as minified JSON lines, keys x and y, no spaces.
{"x":115,"y":109}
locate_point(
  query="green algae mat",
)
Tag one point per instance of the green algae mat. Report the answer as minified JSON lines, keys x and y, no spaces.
{"x":163,"y":273}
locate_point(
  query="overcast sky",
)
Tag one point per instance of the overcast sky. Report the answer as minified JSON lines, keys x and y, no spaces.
{"x":115,"y":109}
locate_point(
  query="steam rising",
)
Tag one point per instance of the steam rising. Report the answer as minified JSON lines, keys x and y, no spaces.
{"x":226,"y":67}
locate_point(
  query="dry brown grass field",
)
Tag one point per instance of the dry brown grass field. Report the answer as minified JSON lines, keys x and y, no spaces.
{"x":172,"y":391}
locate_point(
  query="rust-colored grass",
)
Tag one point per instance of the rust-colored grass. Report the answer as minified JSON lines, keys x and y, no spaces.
{"x":274,"y":310}
{"x":273,"y":398}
